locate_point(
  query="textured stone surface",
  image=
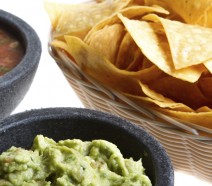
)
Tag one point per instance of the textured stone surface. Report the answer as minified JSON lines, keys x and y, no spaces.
{"x":68,"y":123}
{"x":15,"y":84}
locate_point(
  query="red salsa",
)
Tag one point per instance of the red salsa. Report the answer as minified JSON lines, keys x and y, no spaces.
{"x":11,"y":51}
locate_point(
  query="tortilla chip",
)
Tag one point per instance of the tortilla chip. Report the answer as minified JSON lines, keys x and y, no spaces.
{"x":133,"y":11}
{"x":136,"y":63}
{"x":206,"y":18}
{"x":146,"y":63}
{"x":107,"y":41}
{"x":78,"y":19}
{"x":204,"y":109}
{"x":190,"y":10}
{"x":205,"y":85}
{"x":97,"y":66}
{"x":208,"y":65}
{"x":151,"y":39}
{"x":139,"y":2}
{"x":172,"y":88}
{"x":59,"y":44}
{"x":189,"y":44}
{"x":160,"y":102}
{"x":149,"y":74}
{"x":126,"y":52}
{"x":203,"y":119}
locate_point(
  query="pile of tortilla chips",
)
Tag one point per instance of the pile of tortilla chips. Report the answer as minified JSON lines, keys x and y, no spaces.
{"x":155,"y":52}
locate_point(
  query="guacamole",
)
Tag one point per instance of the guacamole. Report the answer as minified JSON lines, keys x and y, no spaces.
{"x":70,"y":163}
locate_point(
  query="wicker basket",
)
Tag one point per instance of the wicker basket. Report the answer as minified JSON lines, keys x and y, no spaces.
{"x":189,"y":152}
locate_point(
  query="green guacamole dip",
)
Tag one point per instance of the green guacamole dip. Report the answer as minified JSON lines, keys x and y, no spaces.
{"x":70,"y":163}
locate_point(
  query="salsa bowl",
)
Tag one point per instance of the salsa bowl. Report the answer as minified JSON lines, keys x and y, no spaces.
{"x":19,"y":58}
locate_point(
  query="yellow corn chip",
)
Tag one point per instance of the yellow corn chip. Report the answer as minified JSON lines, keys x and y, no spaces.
{"x":192,"y":11}
{"x":189,"y":44}
{"x":204,"y":84}
{"x":137,"y":61}
{"x":172,"y":88}
{"x":152,"y":41}
{"x":208,"y":65}
{"x":78,"y":19}
{"x":160,"y":102}
{"x":126,"y":52}
{"x":206,"y":18}
{"x":107,"y":40}
{"x":97,"y":66}
{"x":203,"y":119}
{"x":133,"y":11}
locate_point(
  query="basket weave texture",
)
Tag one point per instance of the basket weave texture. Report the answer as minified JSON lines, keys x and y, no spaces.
{"x":189,"y":153}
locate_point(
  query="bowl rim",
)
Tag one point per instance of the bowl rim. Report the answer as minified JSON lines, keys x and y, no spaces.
{"x":161,"y":160}
{"x":32,"y":46}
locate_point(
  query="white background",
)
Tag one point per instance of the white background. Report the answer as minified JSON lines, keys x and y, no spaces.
{"x":50,"y":88}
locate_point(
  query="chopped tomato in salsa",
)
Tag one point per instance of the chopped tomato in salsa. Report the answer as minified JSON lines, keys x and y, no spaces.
{"x":11,"y":51}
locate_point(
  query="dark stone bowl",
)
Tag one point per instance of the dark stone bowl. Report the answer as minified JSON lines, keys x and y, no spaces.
{"x":67,"y":123}
{"x":15,"y":83}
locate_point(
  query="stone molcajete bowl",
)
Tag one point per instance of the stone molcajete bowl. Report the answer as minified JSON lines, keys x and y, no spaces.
{"x":67,"y":123}
{"x":15,"y":83}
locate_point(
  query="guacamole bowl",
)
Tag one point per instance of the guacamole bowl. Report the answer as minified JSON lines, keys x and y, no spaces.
{"x":20,"y":129}
{"x":20,"y":51}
